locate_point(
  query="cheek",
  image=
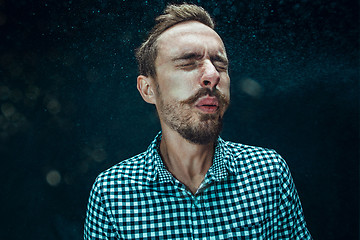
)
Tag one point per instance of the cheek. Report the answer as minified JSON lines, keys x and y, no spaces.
{"x":224,"y":85}
{"x":182,"y":86}
{"x":178,"y":93}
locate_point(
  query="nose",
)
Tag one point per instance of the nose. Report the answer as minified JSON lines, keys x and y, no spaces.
{"x":210,"y":75}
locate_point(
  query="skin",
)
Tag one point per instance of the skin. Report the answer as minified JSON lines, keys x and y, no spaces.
{"x":191,"y":56}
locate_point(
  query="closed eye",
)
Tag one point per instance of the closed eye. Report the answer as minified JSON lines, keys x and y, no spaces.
{"x":188,"y":65}
{"x":221,"y":67}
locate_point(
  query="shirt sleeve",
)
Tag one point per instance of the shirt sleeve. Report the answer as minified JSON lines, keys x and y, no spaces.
{"x":97,"y":222}
{"x":291,"y":224}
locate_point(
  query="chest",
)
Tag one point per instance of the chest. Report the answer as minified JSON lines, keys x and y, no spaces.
{"x":224,"y":210}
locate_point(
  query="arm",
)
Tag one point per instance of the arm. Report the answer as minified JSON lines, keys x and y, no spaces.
{"x":98,"y":223}
{"x":291,"y":223}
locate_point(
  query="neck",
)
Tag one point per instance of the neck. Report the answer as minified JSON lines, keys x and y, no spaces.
{"x":188,"y":162}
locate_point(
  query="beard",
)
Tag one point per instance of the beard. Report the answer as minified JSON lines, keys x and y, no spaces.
{"x":194,"y":126}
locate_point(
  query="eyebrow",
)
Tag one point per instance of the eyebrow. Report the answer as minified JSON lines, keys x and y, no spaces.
{"x":186,"y":56}
{"x":194,"y":55}
{"x":220,"y":58}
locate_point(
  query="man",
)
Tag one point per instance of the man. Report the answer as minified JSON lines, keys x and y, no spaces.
{"x":190,"y":183}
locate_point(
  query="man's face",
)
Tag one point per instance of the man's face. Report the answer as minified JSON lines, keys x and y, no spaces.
{"x":193,"y":85}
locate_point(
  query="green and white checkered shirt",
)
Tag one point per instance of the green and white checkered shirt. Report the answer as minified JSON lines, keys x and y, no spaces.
{"x":248,"y":193}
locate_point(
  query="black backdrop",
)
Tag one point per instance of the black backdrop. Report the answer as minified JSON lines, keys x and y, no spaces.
{"x":70,"y":108}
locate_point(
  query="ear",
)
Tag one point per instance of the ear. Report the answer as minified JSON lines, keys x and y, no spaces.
{"x":146,"y":87}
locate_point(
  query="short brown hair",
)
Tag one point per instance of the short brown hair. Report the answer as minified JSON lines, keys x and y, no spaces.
{"x":173,"y":14}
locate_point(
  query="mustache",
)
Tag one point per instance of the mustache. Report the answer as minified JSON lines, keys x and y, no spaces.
{"x":223,"y":100}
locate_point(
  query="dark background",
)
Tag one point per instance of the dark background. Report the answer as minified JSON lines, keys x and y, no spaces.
{"x":69,"y":107}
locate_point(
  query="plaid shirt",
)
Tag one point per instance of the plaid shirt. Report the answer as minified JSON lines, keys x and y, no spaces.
{"x":248,"y":193}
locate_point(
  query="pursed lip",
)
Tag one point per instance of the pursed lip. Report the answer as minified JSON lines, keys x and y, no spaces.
{"x":207,"y":104}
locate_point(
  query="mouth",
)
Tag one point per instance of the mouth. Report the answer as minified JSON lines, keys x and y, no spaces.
{"x":207,"y":104}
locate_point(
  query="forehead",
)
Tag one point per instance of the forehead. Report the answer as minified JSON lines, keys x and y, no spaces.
{"x":189,"y":36}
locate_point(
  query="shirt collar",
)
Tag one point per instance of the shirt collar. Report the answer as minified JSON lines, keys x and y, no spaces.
{"x":221,"y":167}
{"x":155,"y":167}
{"x":222,"y":162}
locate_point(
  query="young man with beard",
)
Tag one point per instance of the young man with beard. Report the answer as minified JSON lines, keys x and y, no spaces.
{"x":190,"y":183}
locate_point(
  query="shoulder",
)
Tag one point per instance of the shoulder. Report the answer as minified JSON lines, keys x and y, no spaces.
{"x":131,"y":169}
{"x":250,"y":158}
